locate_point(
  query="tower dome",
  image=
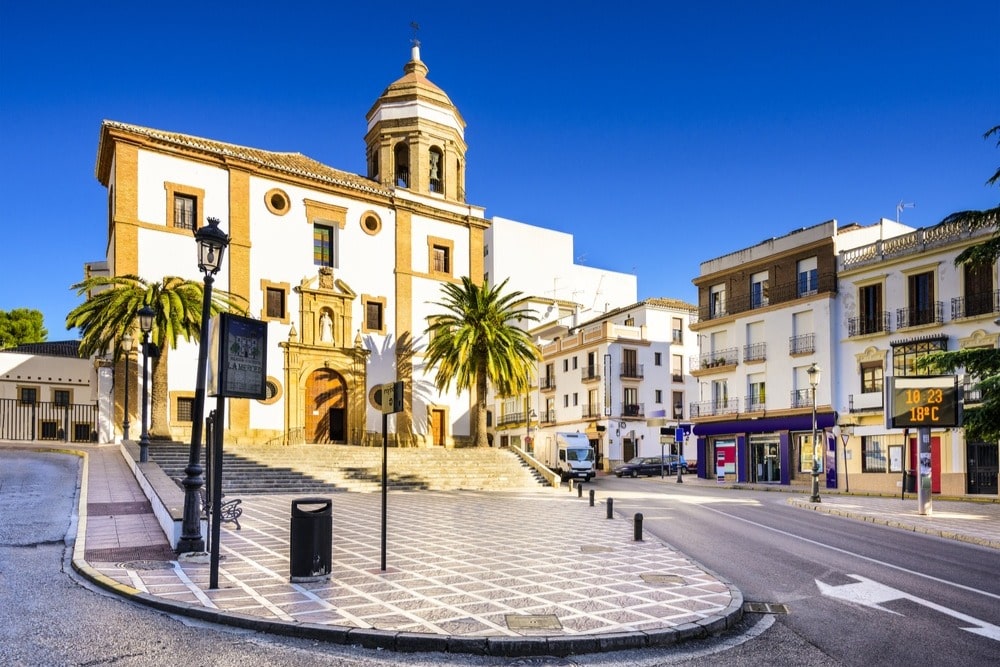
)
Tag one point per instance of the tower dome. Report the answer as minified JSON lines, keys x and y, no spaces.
{"x":416,"y":136}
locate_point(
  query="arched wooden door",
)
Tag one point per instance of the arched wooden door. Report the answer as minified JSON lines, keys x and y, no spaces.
{"x":326,"y":407}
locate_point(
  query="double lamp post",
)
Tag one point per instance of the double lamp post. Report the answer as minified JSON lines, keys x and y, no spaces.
{"x":212,"y":243}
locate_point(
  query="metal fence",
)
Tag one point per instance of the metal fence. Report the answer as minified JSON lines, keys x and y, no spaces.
{"x":62,"y":422}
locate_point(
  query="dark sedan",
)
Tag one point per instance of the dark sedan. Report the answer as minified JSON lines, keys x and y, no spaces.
{"x":651,"y":465}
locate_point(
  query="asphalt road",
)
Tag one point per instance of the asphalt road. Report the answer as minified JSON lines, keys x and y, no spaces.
{"x":860,"y":593}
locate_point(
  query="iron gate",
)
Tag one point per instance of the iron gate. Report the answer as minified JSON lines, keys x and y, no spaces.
{"x":65,"y":422}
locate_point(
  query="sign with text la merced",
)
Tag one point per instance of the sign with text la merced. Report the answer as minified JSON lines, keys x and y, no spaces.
{"x":237,"y":366}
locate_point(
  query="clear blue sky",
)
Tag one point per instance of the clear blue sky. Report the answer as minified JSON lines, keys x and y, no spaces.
{"x":660,"y":134}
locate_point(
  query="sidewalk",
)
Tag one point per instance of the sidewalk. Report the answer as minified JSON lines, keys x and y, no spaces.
{"x":508,"y":574}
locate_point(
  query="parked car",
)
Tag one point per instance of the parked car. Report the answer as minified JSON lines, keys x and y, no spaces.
{"x":651,"y":465}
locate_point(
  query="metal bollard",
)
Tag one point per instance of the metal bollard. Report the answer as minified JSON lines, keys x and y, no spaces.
{"x":611,"y":507}
{"x":637,"y":527}
{"x":591,"y":497}
{"x":579,"y":490}
{"x":569,"y":485}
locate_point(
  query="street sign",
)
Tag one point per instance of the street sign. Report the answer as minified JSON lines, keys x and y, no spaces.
{"x":666,"y":439}
{"x":391,"y":398}
{"x":679,"y":434}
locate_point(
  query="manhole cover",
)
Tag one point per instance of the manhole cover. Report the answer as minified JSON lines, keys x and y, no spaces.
{"x":765,"y":608}
{"x":542,"y":661}
{"x":662,"y":578}
{"x":593,"y":549}
{"x":146,"y":565}
{"x":533,"y":622}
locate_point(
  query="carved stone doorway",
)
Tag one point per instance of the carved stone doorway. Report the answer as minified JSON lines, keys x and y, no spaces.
{"x":326,"y":405}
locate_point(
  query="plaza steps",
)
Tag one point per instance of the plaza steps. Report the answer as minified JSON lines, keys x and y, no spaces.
{"x":321,"y":469}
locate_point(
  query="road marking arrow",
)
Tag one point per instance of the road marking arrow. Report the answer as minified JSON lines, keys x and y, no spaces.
{"x":872,"y":594}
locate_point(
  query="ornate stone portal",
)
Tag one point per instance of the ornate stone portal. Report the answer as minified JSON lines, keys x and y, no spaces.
{"x":325,"y":366}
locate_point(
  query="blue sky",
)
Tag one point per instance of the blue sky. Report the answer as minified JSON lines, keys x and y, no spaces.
{"x":660,"y":134}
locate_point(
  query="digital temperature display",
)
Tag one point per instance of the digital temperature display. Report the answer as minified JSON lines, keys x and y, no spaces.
{"x":916,"y":402}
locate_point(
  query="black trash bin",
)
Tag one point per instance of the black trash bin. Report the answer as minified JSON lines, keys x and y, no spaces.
{"x":311,"y":539}
{"x":910,"y":481}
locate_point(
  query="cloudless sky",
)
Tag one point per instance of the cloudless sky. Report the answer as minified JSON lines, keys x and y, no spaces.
{"x":660,"y":134}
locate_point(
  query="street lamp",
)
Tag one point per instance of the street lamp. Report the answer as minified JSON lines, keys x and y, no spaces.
{"x":212,"y":243}
{"x":814,"y":372}
{"x":127,"y":349}
{"x":146,"y":315}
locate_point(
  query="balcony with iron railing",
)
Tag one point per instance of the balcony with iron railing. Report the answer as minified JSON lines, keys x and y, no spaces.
{"x":511,"y":418}
{"x":914,"y":317}
{"x":547,"y":383}
{"x":802,"y":344}
{"x":719,"y":359}
{"x":755,"y":352}
{"x":780,"y":293}
{"x":633,"y":410}
{"x":868,"y":325}
{"x":715,"y":408}
{"x":802,"y":398}
{"x":632,"y":371}
{"x":547,"y":417}
{"x":593,"y":411}
{"x":590,"y":374}
{"x":972,"y":305}
{"x":755,"y":404}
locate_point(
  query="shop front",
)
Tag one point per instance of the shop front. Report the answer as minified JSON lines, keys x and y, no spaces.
{"x":774,"y":450}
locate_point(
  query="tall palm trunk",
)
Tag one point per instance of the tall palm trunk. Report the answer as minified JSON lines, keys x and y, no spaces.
{"x":481,"y":393}
{"x":159,"y":427}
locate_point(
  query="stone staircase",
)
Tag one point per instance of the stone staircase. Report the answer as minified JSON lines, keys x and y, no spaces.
{"x":321,"y":469}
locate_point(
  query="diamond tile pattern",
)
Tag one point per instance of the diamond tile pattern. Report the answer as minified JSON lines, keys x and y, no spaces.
{"x":458,"y":563}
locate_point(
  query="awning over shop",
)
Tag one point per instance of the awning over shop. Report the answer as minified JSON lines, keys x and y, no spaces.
{"x":767,"y":424}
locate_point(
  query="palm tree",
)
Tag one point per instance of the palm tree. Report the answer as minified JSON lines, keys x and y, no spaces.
{"x":110,"y":311}
{"x":476,"y":342}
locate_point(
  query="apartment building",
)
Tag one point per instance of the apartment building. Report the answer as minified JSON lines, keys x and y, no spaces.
{"x":766,"y":317}
{"x":902,"y":297}
{"x":615,"y":377}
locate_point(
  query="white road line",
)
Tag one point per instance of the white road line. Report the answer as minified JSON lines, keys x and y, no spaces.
{"x":856,"y":555}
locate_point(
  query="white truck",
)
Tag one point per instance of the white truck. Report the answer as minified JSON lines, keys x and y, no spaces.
{"x":570,"y":455}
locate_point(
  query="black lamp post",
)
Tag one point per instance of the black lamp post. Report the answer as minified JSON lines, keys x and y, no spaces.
{"x":814,"y":372}
{"x":212,"y":243}
{"x":146,"y":315}
{"x":127,"y":349}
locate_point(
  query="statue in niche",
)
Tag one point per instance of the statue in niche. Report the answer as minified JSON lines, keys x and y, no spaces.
{"x":325,"y":328}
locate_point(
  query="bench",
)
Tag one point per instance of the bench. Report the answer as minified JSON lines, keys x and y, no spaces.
{"x":230,"y":510}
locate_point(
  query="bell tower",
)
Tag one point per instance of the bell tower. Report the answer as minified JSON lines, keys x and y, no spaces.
{"x":416,"y":136}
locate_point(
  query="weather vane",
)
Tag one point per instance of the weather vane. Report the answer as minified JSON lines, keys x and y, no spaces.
{"x":416,"y":28}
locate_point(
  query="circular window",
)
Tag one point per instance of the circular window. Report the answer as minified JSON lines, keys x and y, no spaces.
{"x":370,"y":223}
{"x":276,"y":201}
{"x":272,"y":391}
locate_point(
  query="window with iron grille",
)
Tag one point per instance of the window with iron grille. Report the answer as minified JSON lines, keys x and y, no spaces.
{"x":185,"y":409}
{"x":872,"y":454}
{"x":28,"y":395}
{"x":60,"y":396}
{"x":185,"y":208}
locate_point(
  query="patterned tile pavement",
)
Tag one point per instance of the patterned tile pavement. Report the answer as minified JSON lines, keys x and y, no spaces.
{"x":458,"y":563}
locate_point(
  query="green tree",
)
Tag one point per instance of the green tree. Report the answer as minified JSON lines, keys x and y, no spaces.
{"x":982,"y":422}
{"x":476,"y":342}
{"x":21,"y":325}
{"x":110,"y":311}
